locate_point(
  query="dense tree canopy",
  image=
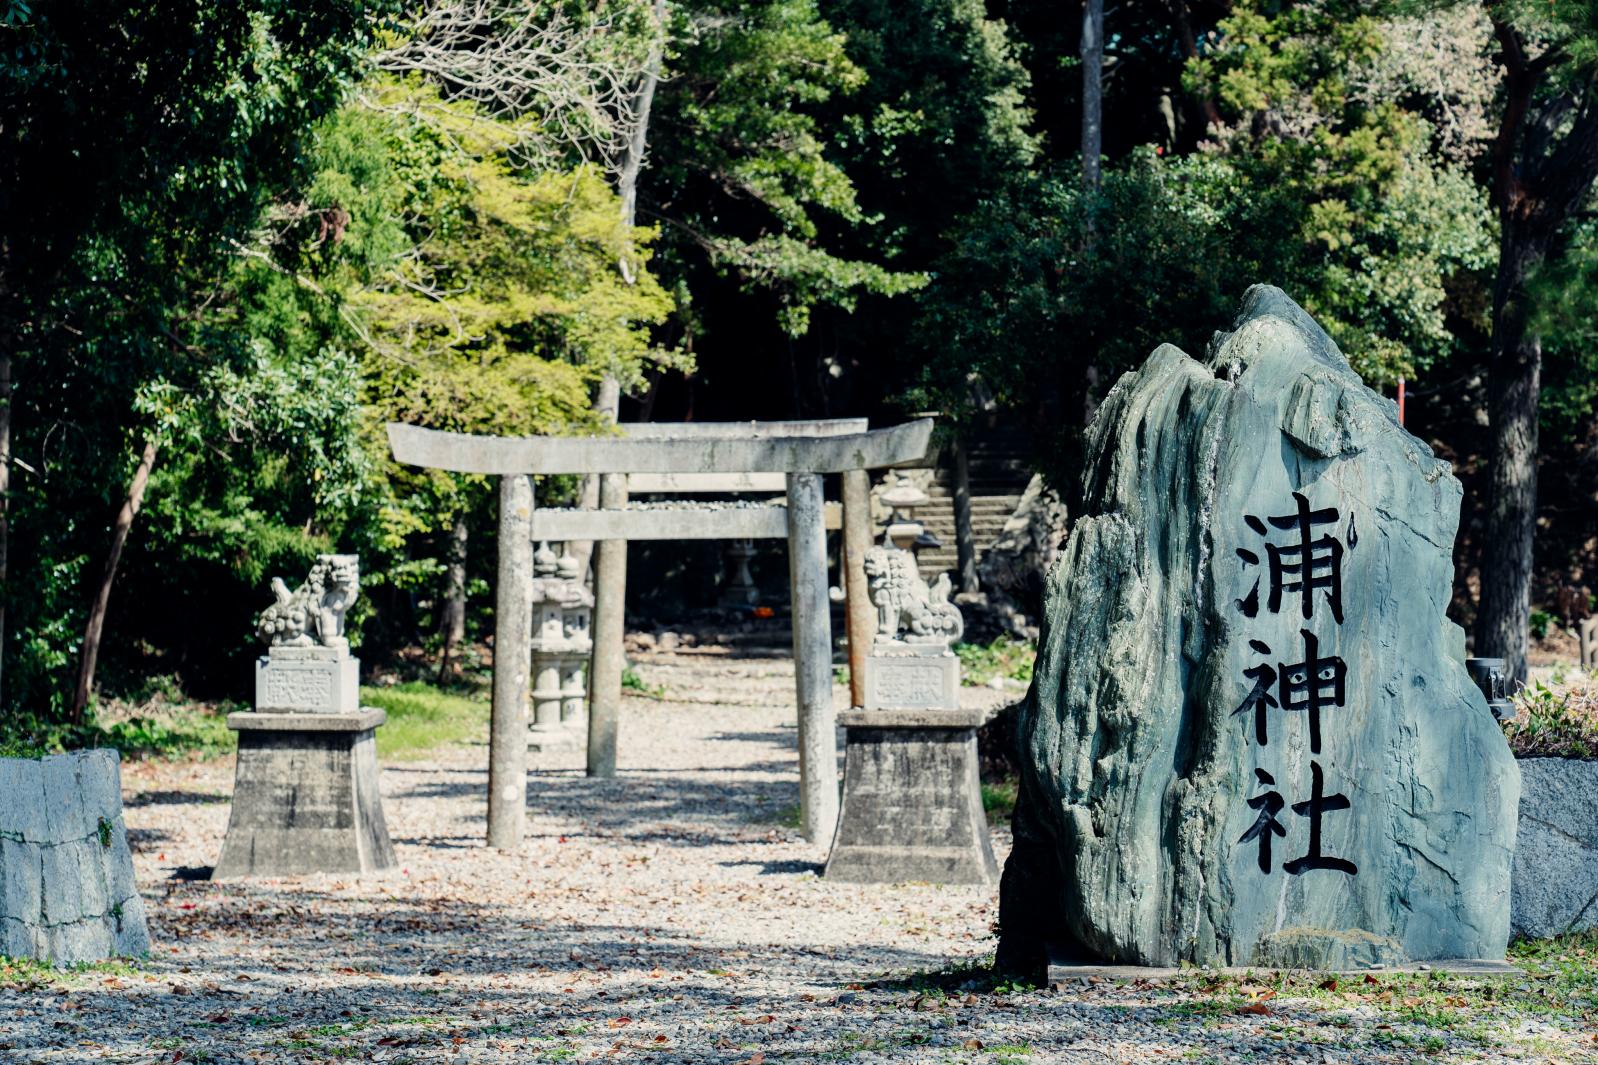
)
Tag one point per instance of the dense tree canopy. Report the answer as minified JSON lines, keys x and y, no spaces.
{"x":234,"y":239}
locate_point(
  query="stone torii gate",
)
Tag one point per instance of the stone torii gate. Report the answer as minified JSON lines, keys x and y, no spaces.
{"x":800,"y":451}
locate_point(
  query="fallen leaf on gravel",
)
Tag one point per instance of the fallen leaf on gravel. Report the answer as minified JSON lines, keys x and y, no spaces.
{"x":619,"y":1022}
{"x":1258,"y":1008}
{"x":754,"y":1059}
{"x":764,"y":1018}
{"x":1328,"y":984}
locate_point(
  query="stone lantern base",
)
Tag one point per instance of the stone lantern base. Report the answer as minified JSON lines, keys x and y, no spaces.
{"x":912,"y":800}
{"x":305,"y":796}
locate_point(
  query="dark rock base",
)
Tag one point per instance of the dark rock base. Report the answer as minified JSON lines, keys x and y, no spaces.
{"x":305,"y":797}
{"x":912,"y":801}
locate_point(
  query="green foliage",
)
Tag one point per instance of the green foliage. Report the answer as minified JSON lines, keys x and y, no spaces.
{"x":633,"y":681}
{"x":1563,"y":293}
{"x":1375,"y":224}
{"x":998,"y":800}
{"x":164,"y":729}
{"x":1551,"y":723}
{"x":1539,"y":622}
{"x":139,"y":141}
{"x":742,"y":169}
{"x":508,"y":300}
{"x":1049,"y":277}
{"x":1005,"y":657}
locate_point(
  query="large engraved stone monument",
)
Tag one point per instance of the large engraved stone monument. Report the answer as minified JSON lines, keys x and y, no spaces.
{"x":305,"y":796}
{"x":1251,"y":738}
{"x":912,"y":800}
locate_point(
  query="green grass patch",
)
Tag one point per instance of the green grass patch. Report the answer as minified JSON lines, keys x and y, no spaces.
{"x":423,"y":717}
{"x":21,"y":974}
{"x":1005,"y":657}
{"x":633,"y":681}
{"x":998,"y":799}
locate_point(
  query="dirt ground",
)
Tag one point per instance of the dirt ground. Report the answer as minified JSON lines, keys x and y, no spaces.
{"x":669,"y":915}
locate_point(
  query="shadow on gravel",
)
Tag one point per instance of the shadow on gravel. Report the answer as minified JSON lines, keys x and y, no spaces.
{"x":708,"y":806}
{"x":337,"y":980}
{"x":176,"y":798}
{"x":786,"y":868}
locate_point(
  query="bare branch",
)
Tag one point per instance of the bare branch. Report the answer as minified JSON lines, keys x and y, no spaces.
{"x":574,"y":75}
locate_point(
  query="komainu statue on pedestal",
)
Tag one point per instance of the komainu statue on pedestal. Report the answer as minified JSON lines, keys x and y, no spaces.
{"x":313,"y":614}
{"x":907,"y":607}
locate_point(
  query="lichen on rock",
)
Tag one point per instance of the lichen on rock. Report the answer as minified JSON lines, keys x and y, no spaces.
{"x":1250,"y":737}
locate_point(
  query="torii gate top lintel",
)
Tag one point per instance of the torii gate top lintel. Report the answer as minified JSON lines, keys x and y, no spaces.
{"x":747,"y":447}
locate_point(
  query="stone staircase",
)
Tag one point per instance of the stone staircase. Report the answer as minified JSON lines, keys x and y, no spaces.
{"x":998,"y":474}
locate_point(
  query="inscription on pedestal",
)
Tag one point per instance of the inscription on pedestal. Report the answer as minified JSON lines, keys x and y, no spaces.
{"x":307,"y":685}
{"x":912,"y":682}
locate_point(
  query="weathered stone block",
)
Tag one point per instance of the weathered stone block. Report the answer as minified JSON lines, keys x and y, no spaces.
{"x":305,"y":796}
{"x":912,"y":800}
{"x":1555,"y":883}
{"x":1250,"y":736}
{"x":67,"y":893}
{"x":313,"y":680}
{"x":921,"y":678}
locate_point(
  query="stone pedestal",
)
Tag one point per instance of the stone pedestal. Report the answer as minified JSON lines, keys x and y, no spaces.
{"x":912,"y":800}
{"x":305,"y":797}
{"x":912,"y":677}
{"x":67,"y":894}
{"x":307,"y":680}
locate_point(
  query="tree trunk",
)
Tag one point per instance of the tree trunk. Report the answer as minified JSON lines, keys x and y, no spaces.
{"x":1209,"y":113}
{"x":5,"y":485}
{"x":637,"y":146}
{"x":452,"y":618}
{"x":102,"y":599}
{"x":1513,"y":382}
{"x":1092,"y":91}
{"x":608,"y":403}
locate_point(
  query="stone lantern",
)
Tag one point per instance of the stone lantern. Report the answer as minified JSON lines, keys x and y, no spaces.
{"x":739,"y":591}
{"x":560,"y":646}
{"x":576,"y":622}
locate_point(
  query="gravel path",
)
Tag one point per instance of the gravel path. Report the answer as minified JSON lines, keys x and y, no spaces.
{"x":667,"y":916}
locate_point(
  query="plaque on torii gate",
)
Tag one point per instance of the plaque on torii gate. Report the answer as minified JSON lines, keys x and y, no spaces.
{"x":801,"y":451}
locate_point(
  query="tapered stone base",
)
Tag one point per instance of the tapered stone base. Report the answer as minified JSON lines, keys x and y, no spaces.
{"x":305,"y":796}
{"x":912,"y":800}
